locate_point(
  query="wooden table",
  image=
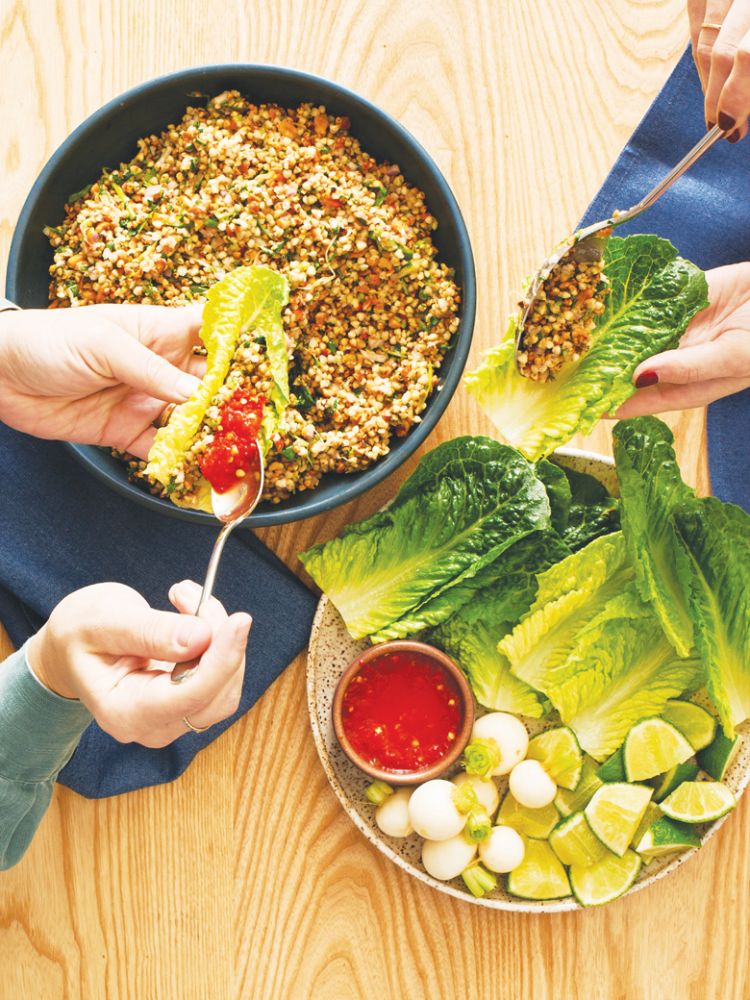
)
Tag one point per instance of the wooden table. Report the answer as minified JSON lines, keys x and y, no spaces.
{"x":245,"y":878}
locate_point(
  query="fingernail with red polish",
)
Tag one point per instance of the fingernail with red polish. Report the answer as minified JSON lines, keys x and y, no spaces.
{"x":726,"y":122}
{"x":734,"y":137}
{"x":646,"y":379}
{"x":711,"y":125}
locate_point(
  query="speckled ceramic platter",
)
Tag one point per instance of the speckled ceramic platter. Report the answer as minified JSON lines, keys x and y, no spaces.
{"x":332,"y":649}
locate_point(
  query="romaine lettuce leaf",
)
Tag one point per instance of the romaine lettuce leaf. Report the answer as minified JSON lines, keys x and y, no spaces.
{"x":468,"y":501}
{"x":247,"y":300}
{"x":558,"y":490}
{"x":622,"y":670}
{"x":654,"y":295}
{"x":715,"y":540}
{"x":570,"y":594}
{"x":473,"y":646}
{"x":595,"y":649}
{"x":593,"y":512}
{"x":650,"y":488}
{"x":501,"y":594}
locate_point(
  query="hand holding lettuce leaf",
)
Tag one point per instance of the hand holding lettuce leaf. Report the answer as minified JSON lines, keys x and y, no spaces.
{"x":249,"y":300}
{"x":653,"y":296}
{"x":713,"y":358}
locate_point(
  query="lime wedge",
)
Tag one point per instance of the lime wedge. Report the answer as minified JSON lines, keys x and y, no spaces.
{"x":568,"y":802}
{"x":613,"y":768}
{"x":652,"y":747}
{"x":606,"y":880}
{"x":666,"y":836}
{"x":558,"y":752}
{"x":574,"y":843}
{"x":717,"y":758}
{"x":615,"y":812}
{"x":698,"y":802}
{"x":696,"y":724}
{"x":666,"y":783}
{"x":540,"y":875}
{"x":652,"y":813}
{"x":538,"y":823}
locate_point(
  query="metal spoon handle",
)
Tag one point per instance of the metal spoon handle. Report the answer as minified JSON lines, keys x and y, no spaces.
{"x":183,"y":670}
{"x":666,"y":182}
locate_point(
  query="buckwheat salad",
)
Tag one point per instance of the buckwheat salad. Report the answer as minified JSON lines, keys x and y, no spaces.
{"x":370,"y":311}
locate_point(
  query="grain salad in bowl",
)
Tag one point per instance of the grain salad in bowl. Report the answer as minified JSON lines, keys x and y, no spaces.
{"x":370,"y":312}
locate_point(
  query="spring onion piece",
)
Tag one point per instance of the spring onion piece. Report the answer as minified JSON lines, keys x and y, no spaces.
{"x":378,"y":792}
{"x":478,"y":880}
{"x":478,"y":825}
{"x":481,"y":757}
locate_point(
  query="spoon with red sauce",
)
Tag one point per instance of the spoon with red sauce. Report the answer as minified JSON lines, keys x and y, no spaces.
{"x":233,"y":465}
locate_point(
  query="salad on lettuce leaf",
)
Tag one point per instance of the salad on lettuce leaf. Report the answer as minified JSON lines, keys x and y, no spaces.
{"x":247,"y":302}
{"x":653,"y":295}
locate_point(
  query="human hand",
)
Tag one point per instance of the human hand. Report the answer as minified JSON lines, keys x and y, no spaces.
{"x":722,"y":56}
{"x":100,"y":374}
{"x":713,"y":359}
{"x":105,"y":646}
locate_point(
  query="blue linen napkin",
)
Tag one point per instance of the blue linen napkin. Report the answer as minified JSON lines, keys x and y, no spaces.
{"x":61,"y":529}
{"x":706,"y":214}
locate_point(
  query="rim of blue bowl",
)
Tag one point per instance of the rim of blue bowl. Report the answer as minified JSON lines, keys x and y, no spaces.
{"x":92,"y":457}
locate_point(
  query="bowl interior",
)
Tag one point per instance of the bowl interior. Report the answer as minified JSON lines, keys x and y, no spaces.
{"x":110,"y":136}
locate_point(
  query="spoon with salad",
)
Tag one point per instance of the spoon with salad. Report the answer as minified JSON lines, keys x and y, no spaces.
{"x":566,"y":295}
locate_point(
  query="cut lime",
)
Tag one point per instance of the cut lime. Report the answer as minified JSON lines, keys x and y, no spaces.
{"x":698,"y":802}
{"x":615,"y":812}
{"x":717,"y":758}
{"x":652,"y":813}
{"x":537,"y":823}
{"x":540,"y":875}
{"x":558,"y":752}
{"x":613,"y":768}
{"x":574,"y":843}
{"x":606,"y":880}
{"x":569,"y":802}
{"x":696,"y":724}
{"x":666,"y":783}
{"x":652,"y":747}
{"x":666,"y":836}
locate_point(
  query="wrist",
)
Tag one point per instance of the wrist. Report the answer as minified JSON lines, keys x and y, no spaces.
{"x":47,"y":668}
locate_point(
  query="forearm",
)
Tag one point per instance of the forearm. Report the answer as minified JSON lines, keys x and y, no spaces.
{"x":38,"y":733}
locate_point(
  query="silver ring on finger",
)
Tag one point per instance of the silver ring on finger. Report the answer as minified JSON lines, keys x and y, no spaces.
{"x":711,"y":26}
{"x":163,"y":419}
{"x":192,"y":728}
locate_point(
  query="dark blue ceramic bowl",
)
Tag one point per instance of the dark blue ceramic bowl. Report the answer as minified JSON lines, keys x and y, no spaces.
{"x":110,"y":135}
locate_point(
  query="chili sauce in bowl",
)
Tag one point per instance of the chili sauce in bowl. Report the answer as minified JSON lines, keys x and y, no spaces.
{"x":403,"y":712}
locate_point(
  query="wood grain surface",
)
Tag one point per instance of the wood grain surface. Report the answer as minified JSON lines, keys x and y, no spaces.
{"x":244,"y":879}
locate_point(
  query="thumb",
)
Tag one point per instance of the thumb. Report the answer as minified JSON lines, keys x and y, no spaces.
{"x":726,"y":357}
{"x":134,"y":364}
{"x":155,"y":635}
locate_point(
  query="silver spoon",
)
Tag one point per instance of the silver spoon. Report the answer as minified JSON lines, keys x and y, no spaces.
{"x":231,"y":508}
{"x":589,"y":243}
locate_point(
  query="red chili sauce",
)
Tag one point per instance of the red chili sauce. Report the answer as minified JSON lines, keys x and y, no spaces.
{"x":233,"y":453}
{"x":402,"y":711}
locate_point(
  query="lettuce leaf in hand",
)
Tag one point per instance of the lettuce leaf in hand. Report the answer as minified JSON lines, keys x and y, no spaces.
{"x":653,"y":296}
{"x":247,"y":300}
{"x":715,"y":541}
{"x":650,"y":488}
{"x":468,"y":501}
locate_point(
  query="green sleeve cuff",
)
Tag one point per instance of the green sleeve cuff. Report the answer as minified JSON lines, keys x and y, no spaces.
{"x":39,"y":730}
